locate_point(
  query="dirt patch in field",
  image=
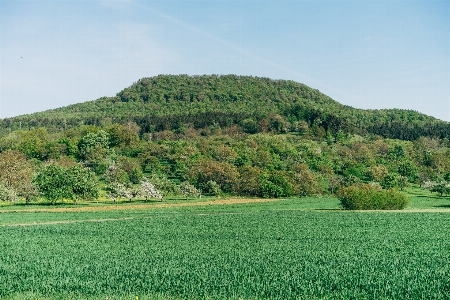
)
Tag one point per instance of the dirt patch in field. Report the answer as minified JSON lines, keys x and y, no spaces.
{"x":142,"y":206}
{"x":95,"y":220}
{"x":123,"y":206}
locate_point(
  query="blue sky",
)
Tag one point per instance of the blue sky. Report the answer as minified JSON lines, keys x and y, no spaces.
{"x":366,"y":54}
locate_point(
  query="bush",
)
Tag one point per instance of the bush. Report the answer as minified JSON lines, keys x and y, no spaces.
{"x":389,"y":181}
{"x":165,"y":185}
{"x":211,"y":188}
{"x":275,"y":185}
{"x":367,"y":196}
{"x":249,"y":126}
{"x":136,"y":176}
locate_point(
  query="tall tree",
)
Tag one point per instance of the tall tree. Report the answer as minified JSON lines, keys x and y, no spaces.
{"x":16,"y":173}
{"x":54,"y":184}
{"x":150,"y":191}
{"x":83,"y":183}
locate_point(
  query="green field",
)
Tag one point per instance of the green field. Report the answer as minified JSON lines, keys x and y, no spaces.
{"x":287,"y":249}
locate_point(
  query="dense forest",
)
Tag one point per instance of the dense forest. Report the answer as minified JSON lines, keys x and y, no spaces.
{"x":169,"y":102}
{"x":173,"y":135}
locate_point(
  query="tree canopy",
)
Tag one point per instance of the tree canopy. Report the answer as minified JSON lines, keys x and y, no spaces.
{"x":214,"y":135}
{"x":172,"y":102}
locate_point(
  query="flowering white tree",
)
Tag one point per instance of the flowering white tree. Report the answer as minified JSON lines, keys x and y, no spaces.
{"x":429,"y":184}
{"x":188,"y":189}
{"x":441,"y":187}
{"x":118,"y":190}
{"x":116,"y":175}
{"x":7,"y":194}
{"x":136,"y":192}
{"x":148,"y":190}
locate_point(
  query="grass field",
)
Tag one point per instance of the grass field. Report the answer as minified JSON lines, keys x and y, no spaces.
{"x":286,"y":249}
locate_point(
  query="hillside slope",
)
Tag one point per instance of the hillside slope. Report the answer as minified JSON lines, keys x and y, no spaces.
{"x":170,"y":102}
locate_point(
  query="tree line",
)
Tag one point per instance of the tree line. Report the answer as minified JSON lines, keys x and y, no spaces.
{"x":241,"y":135}
{"x":249,"y":159}
{"x":170,"y":102}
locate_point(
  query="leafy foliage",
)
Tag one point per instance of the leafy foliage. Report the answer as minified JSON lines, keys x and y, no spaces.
{"x":7,"y":194}
{"x":57,"y":183}
{"x":92,"y":140}
{"x":53,"y":183}
{"x":234,"y":135}
{"x":168,"y":102}
{"x":367,"y":196}
{"x":117,"y":190}
{"x":275,"y":185}
{"x":83,"y":183}
{"x":441,"y":187}
{"x":212,"y":188}
{"x":16,"y":172}
{"x":188,"y":190}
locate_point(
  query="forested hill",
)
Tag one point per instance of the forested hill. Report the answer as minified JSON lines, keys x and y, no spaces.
{"x":169,"y":102}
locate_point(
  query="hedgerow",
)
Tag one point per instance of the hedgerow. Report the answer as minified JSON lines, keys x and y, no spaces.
{"x":368,"y":196}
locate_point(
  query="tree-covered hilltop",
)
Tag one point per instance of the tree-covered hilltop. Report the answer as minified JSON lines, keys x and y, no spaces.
{"x":169,"y":102}
{"x":182,"y":135}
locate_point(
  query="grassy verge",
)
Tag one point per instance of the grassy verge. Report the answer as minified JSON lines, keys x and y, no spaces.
{"x":20,"y":213}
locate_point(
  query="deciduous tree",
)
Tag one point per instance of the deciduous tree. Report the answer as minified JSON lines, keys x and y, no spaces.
{"x":188,"y":190}
{"x":83,"y":183}
{"x":54,"y":184}
{"x":7,"y":194}
{"x":150,"y":191}
{"x":16,"y":172}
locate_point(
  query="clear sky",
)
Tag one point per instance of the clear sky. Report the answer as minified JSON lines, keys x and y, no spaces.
{"x":366,"y":54}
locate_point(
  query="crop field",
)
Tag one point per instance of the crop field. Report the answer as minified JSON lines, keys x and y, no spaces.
{"x":286,"y":249}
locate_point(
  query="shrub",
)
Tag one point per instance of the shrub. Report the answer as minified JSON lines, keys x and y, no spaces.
{"x":270,"y":190}
{"x":212,"y":188}
{"x":350,"y":180}
{"x":367,"y":196}
{"x":136,"y":176}
{"x":223,"y":173}
{"x":275,"y":185}
{"x":249,"y":126}
{"x":389,"y":181}
{"x":165,"y":185}
{"x":249,"y":181}
{"x":306,"y":182}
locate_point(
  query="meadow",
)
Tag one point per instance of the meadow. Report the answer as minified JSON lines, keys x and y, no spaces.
{"x":305,"y":248}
